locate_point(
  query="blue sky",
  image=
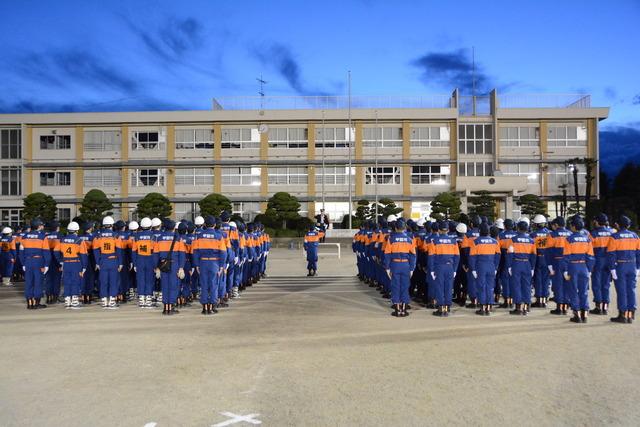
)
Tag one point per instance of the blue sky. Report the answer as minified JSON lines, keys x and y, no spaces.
{"x":154,"y":55}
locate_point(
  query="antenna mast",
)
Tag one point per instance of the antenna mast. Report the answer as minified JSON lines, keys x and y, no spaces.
{"x":261,"y":91}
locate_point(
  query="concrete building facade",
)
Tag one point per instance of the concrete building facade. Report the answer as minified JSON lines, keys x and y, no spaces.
{"x":408,"y":149}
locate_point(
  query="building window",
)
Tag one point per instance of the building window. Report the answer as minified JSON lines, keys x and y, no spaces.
{"x":288,"y":138}
{"x":431,"y":174}
{"x":247,"y":210}
{"x":10,"y":143}
{"x":64,"y":215}
{"x":148,"y":178}
{"x":333,"y":137}
{"x":241,"y":176}
{"x":520,"y":136}
{"x":240,"y":138}
{"x":288,"y":176}
{"x":146,"y":141}
{"x":186,"y":210}
{"x":567,"y":136}
{"x":475,"y":169}
{"x":432,"y":136}
{"x":531,"y":171}
{"x":560,"y":174}
{"x":96,"y":178}
{"x":11,"y":217}
{"x":102,"y":140}
{"x":194,"y":176}
{"x":383,"y":175}
{"x":387,"y":137}
{"x":333,"y":175}
{"x":55,"y":179}
{"x":194,"y":139}
{"x":11,"y":180}
{"x":55,"y":142}
{"x":475,"y":139}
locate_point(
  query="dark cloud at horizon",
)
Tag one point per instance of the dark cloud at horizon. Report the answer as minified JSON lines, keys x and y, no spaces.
{"x":619,"y":145}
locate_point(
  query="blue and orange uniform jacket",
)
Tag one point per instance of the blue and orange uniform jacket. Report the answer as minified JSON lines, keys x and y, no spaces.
{"x":484,"y":249}
{"x":34,"y":247}
{"x":162,"y":249}
{"x":107,"y":249}
{"x":555,"y":245}
{"x":8,"y":248}
{"x":465,"y":246}
{"x":600,"y":237}
{"x":232,"y":239}
{"x":443,"y":249}
{"x":399,"y":248}
{"x":421,"y":248}
{"x":311,"y":240}
{"x":521,"y":248}
{"x":542,"y":241}
{"x":624,"y":248}
{"x":53,"y":238}
{"x":72,"y":249}
{"x":142,"y":244}
{"x":577,"y":249}
{"x":210,"y":245}
{"x":249,"y":249}
{"x":504,"y":242}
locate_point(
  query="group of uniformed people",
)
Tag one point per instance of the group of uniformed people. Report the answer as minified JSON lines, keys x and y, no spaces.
{"x":211,"y":260}
{"x":482,"y":266}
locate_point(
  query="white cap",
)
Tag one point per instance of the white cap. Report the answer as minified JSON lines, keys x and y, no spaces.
{"x":8,"y":230}
{"x":155,"y":222}
{"x":145,"y":222}
{"x":539,"y":219}
{"x":199,"y":220}
{"x":73,"y":226}
{"x":421,"y":222}
{"x":461,"y":228}
{"x":232,"y":224}
{"x":107,"y":220}
{"x":392,"y":218}
{"x":523,"y":219}
{"x":133,"y":226}
{"x":500,"y":223}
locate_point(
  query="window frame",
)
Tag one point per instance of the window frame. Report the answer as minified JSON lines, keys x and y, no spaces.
{"x":240,"y":143}
{"x":465,"y":141}
{"x":137,"y":145}
{"x":102,"y":145}
{"x":198,"y":177}
{"x":289,"y":143}
{"x":429,"y":175}
{"x":138,"y":176}
{"x":385,"y":141}
{"x":416,"y":140}
{"x":372,"y":176}
{"x":59,"y":179}
{"x":10,"y":144}
{"x":244,"y":176}
{"x":288,"y":175}
{"x":13,"y":180}
{"x":194,"y":143}
{"x":56,"y":142}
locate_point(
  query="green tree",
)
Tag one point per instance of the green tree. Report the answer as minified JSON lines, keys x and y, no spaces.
{"x":283,"y":207}
{"x":362,"y":211}
{"x":386,"y":207}
{"x":530,"y":204}
{"x":445,"y":206}
{"x":95,"y":205}
{"x":39,"y":205}
{"x":482,"y":203}
{"x":154,"y":205}
{"x":214,"y":204}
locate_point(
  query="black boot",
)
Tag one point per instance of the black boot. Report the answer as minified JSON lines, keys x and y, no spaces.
{"x":576,"y":317}
{"x":583,"y":316}
{"x":620,"y":318}
{"x":557,"y":311}
{"x":396,"y":310}
{"x":596,"y":309}
{"x":516,"y":311}
{"x":204,"y":309}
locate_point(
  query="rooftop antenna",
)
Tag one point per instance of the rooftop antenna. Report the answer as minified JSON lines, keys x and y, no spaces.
{"x":261,"y":92}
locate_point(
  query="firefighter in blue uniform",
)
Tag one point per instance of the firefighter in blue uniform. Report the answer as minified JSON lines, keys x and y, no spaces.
{"x":484,"y":259}
{"x":443,"y":261}
{"x":557,"y":237}
{"x":8,"y":255}
{"x":143,"y":263}
{"x":35,"y":256}
{"x":169,"y":256}
{"x":576,"y":266}
{"x":399,"y":261}
{"x":89,"y":277}
{"x":601,"y":276}
{"x":53,"y":277}
{"x":540,"y":237}
{"x":503,"y":275}
{"x":521,"y":263}
{"x":624,"y":261}
{"x":311,"y":241}
{"x":107,"y":249}
{"x":465,"y":248}
{"x":71,"y":254}
{"x":209,"y":256}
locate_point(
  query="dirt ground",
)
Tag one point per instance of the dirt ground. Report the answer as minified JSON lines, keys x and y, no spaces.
{"x":320,"y":351}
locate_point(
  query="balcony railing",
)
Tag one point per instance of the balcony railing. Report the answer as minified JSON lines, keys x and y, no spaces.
{"x":329,"y":102}
{"x":544,"y":100}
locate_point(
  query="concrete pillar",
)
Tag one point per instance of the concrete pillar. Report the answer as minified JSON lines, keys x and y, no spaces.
{"x":78,"y":172}
{"x":124,"y":187}
{"x":453,"y":151}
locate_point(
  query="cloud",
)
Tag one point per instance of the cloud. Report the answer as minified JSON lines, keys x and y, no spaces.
{"x":618,"y":145}
{"x":136,"y":103}
{"x":636,"y":100}
{"x":282,"y":59}
{"x":610,"y":93}
{"x":453,"y":69}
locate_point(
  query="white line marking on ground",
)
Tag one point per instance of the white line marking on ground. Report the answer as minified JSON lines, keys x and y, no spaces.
{"x":151,"y":424}
{"x":237,"y":419}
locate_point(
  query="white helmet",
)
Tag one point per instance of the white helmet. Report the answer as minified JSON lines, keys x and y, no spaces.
{"x":199,"y":220}
{"x":133,"y":226}
{"x":461,"y":228}
{"x":523,"y":219}
{"x":539,"y":219}
{"x":107,"y":220}
{"x":145,"y":222}
{"x":500,"y":223}
{"x":155,"y":222}
{"x":421,"y":222}
{"x":232,"y":224}
{"x":176,"y":224}
{"x":8,"y":230}
{"x":73,"y":226}
{"x":392,"y":218}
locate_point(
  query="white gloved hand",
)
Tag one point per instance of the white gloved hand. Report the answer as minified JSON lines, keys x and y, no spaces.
{"x":62,"y":267}
{"x":24,"y":268}
{"x":157,"y":273}
{"x":638,"y":272}
{"x":135,"y":269}
{"x":433,"y":275}
{"x":97,"y":267}
{"x":235,"y":260}
{"x":474,"y":274}
{"x":566,"y":276}
{"x":551,"y":271}
{"x":131,"y":266}
{"x":191,"y":271}
{"x":119,"y":268}
{"x":533,"y":272}
{"x":82,"y":272}
{"x":410,"y":274}
{"x":389,"y":273}
{"x":181,"y":273}
{"x":454,"y":274}
{"x":614,"y":274}
{"x":45,"y":270}
{"x":510,"y":272}
{"x":495,"y":272}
